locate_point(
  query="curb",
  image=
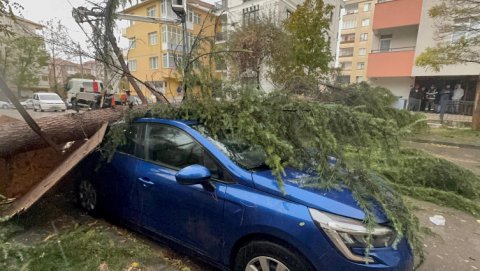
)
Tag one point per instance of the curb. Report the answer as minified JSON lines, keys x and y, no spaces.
{"x":445,"y":143}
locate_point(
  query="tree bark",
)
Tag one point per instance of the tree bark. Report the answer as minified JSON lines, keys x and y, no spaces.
{"x":476,"y":110}
{"x":17,"y":137}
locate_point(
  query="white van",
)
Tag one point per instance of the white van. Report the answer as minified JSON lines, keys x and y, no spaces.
{"x":85,"y":91}
{"x":44,"y":101}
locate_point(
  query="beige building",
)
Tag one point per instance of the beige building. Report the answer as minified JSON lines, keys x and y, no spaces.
{"x":355,"y":40}
{"x":403,"y":29}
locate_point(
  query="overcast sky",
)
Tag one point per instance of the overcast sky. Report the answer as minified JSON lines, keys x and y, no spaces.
{"x":43,"y":10}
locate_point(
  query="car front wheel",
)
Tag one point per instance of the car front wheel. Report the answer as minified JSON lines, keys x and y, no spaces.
{"x":268,"y":256}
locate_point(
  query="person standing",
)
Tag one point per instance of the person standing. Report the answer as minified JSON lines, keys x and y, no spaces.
{"x":458,"y":93}
{"x":415,"y":99}
{"x":445,"y":95}
{"x":431,"y":97}
{"x":423,"y":102}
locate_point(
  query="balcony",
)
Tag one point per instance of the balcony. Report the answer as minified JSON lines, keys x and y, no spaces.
{"x":394,"y":62}
{"x":396,"y":13}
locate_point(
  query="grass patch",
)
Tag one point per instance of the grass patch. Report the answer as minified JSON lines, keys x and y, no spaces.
{"x":79,"y":248}
{"x":454,"y":135}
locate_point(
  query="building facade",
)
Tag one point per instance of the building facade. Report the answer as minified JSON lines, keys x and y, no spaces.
{"x":237,"y":12}
{"x":21,"y":27}
{"x":355,"y":40}
{"x":60,"y":70}
{"x":403,"y":30}
{"x":155,"y":50}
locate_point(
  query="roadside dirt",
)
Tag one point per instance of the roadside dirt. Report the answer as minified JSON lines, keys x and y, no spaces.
{"x":455,"y":246}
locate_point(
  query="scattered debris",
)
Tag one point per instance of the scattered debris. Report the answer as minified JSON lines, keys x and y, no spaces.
{"x":438,"y":220}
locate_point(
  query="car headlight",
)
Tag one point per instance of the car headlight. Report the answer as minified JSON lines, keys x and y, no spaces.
{"x":346,"y":233}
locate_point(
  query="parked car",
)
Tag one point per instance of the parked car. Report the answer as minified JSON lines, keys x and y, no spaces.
{"x":217,"y":198}
{"x":45,"y":101}
{"x":28,"y":104}
{"x":6,"y":105}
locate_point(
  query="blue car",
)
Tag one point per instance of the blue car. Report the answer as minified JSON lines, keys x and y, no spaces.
{"x":217,"y":199}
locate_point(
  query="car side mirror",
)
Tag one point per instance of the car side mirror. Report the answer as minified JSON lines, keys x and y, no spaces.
{"x":194,"y":174}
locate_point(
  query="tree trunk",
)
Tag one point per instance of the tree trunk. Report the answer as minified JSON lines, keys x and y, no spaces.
{"x":17,"y":137}
{"x":476,"y":110}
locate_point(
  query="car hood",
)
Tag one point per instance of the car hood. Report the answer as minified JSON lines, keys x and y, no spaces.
{"x":335,"y":201}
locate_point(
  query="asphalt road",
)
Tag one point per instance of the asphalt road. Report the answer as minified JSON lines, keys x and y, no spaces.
{"x":13,"y":113}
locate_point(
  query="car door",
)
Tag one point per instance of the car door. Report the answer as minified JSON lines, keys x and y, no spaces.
{"x":119,"y":179}
{"x":191,"y":215}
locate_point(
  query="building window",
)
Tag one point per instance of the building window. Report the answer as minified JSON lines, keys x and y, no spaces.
{"x":362,"y":51}
{"x":347,"y":38}
{"x":193,"y":17}
{"x":385,"y":41}
{"x":289,"y":13}
{"x":343,"y":79}
{"x":132,"y":65}
{"x":351,"y":8}
{"x":154,"y":63}
{"x":349,"y":24}
{"x":196,"y":18}
{"x":346,"y":52}
{"x":365,"y":22}
{"x":364,"y":37}
{"x":170,"y":60}
{"x":359,"y":79}
{"x":465,"y":28}
{"x":360,"y":65}
{"x":251,"y":14}
{"x":346,"y":65}
{"x":44,"y":78}
{"x":166,"y":10}
{"x":152,"y":38}
{"x":151,"y":12}
{"x":366,"y":7}
{"x":172,"y":36}
{"x":132,"y":43}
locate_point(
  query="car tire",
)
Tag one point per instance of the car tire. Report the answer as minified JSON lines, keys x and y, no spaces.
{"x":4,"y":107}
{"x":256,"y":254}
{"x":87,"y":196}
{"x":63,"y":110}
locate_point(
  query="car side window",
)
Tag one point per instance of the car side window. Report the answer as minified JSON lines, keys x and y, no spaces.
{"x":172,"y":147}
{"x":135,"y":144}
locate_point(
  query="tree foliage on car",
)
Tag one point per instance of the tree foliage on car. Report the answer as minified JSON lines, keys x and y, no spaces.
{"x":302,"y":133}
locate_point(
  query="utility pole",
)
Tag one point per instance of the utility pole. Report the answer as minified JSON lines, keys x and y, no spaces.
{"x":81,"y":63}
{"x":180,"y":8}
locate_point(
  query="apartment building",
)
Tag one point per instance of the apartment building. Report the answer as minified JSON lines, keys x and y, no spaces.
{"x":237,"y":12}
{"x":402,"y":30}
{"x":156,"y":49}
{"x":21,"y":27}
{"x":355,"y":40}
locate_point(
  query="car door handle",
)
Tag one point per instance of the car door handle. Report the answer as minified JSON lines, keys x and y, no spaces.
{"x":145,"y":181}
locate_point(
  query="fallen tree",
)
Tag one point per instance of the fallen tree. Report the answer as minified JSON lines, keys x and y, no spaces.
{"x":17,"y":137}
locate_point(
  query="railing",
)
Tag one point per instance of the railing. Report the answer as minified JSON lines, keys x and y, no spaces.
{"x":398,"y":49}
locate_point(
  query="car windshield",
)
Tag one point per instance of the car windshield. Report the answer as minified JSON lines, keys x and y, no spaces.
{"x":250,"y":157}
{"x":50,"y":97}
